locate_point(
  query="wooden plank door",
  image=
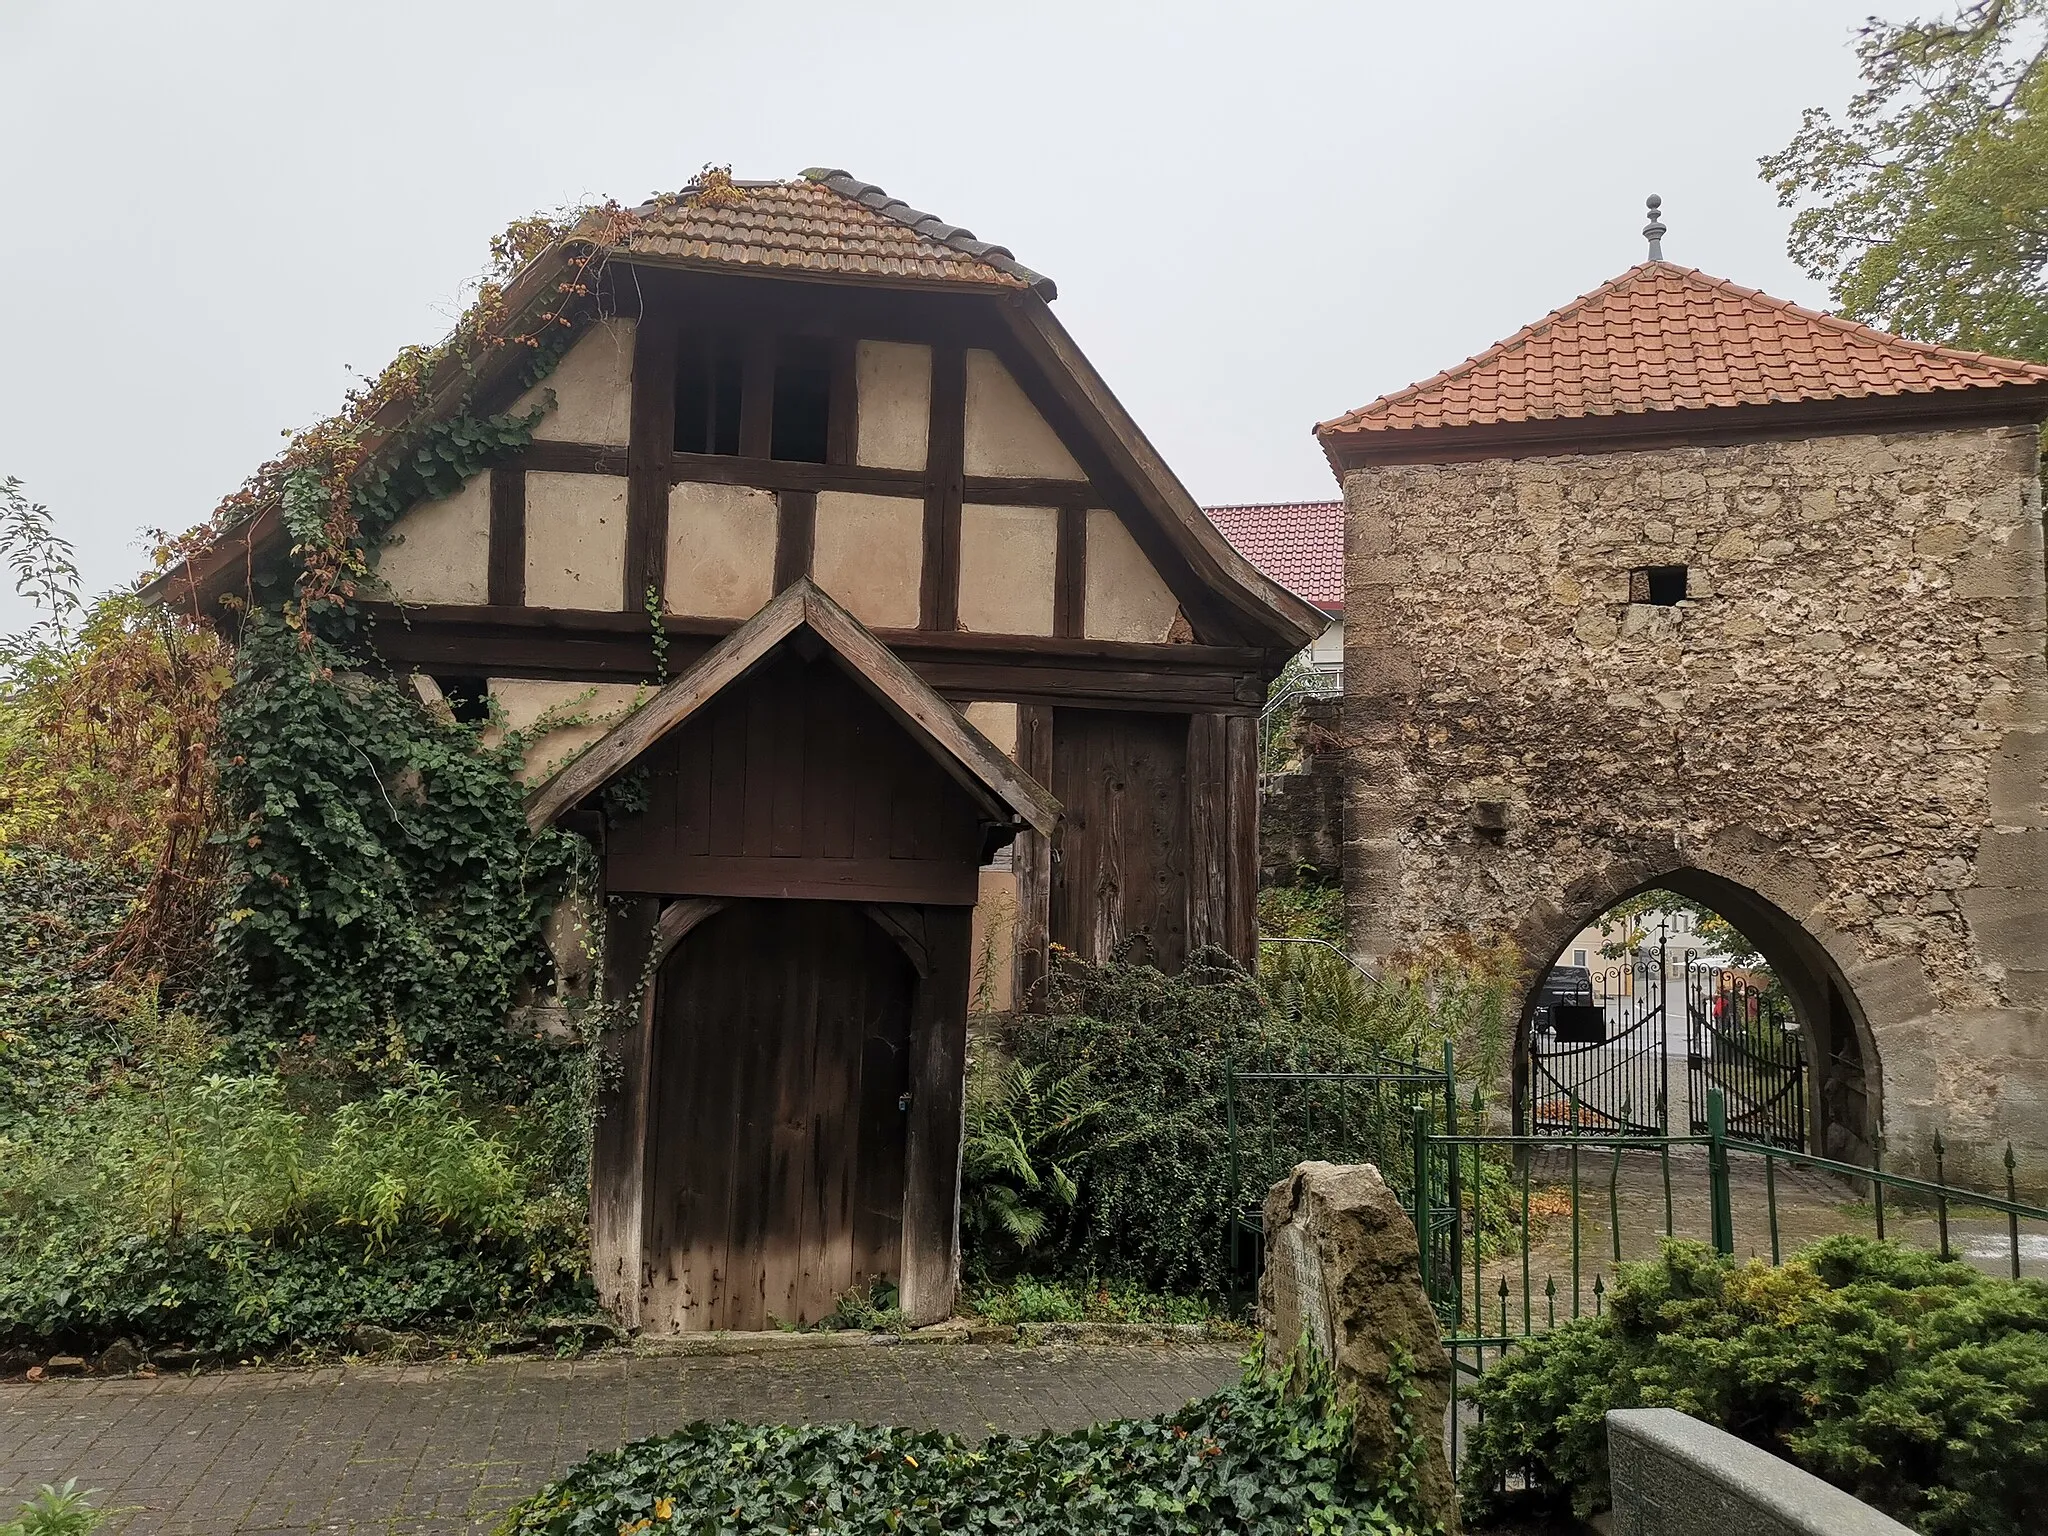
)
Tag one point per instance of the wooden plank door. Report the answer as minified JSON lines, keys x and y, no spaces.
{"x":776,"y":1129}
{"x":1120,"y":868}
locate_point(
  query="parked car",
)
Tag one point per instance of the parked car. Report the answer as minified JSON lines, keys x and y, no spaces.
{"x":1567,"y":985}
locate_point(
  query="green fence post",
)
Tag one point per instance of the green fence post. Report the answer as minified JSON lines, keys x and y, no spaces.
{"x":2012,"y":1218}
{"x":1717,"y":1173}
{"x":1456,"y":1202}
{"x":1231,"y":1213}
{"x":1941,"y":1191}
{"x":1877,"y":1185}
{"x":1421,"y":1199}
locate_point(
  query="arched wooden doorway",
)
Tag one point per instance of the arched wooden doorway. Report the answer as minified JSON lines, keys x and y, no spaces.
{"x":778,"y":1110}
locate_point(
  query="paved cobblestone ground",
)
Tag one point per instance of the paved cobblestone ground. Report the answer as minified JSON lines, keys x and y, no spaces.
{"x":411,"y":1450}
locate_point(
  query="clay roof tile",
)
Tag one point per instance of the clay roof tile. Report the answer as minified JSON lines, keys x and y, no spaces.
{"x":1663,"y":337}
{"x":1300,"y":544}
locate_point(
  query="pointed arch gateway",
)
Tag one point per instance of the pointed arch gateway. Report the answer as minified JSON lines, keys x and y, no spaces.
{"x":790,"y":884}
{"x":1841,"y":1093}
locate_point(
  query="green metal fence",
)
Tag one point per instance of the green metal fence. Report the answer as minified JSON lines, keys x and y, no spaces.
{"x":1518,"y":1233}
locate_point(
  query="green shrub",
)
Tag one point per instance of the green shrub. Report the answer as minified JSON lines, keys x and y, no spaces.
{"x":1257,"y":1459}
{"x":1153,"y":1192}
{"x":57,"y":916}
{"x":59,"y":1511}
{"x":386,"y":896}
{"x":210,"y":1211}
{"x":1029,"y":1300}
{"x":1920,"y":1386}
{"x":218,"y":1154}
{"x":240,"y":1295}
{"x":1126,"y":1097}
{"x":1304,"y":910}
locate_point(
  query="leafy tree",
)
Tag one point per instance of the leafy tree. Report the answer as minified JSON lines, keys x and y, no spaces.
{"x":1634,"y":924}
{"x":1926,"y":204}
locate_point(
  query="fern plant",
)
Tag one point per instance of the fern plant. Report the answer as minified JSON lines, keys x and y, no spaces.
{"x":1025,"y":1131}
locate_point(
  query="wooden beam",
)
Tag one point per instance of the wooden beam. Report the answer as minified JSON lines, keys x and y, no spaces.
{"x":677,"y":919}
{"x":842,"y":424}
{"x":796,"y":525}
{"x":618,"y":1146}
{"x":794,"y":475}
{"x":597,"y":647}
{"x":833,"y":475}
{"x":1241,"y":771}
{"x":1209,"y":862}
{"x":938,"y":1085}
{"x":505,"y":567}
{"x":945,"y":474}
{"x":1031,"y":491}
{"x":1070,"y":574}
{"x":575,"y":458}
{"x":651,"y":439}
{"x":904,"y":924}
{"x":738,"y":877}
{"x":1031,"y":859}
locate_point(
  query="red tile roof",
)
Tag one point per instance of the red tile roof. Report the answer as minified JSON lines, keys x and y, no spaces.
{"x":1300,"y":544}
{"x":823,"y":221}
{"x":1667,"y":338}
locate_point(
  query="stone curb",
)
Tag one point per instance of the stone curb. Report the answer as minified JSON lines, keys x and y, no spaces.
{"x":956,"y":1331}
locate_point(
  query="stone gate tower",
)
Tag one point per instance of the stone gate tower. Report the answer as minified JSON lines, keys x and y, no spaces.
{"x":1685,"y":586}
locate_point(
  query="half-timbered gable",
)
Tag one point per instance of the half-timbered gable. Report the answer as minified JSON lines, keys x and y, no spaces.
{"x":831,"y":540}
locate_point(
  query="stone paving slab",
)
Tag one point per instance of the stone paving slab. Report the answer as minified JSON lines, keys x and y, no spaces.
{"x":433,"y":1450}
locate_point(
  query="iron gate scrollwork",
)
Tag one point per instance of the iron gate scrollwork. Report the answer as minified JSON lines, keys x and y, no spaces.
{"x":1597,"y":1063}
{"x":1742,"y":1038}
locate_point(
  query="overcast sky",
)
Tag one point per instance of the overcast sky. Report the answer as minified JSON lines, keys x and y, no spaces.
{"x":1258,"y":216}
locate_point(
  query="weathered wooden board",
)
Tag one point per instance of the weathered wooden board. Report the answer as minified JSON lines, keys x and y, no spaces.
{"x":797,"y":783}
{"x":1122,"y":864}
{"x":938,"y":1081}
{"x":777,"y":1136}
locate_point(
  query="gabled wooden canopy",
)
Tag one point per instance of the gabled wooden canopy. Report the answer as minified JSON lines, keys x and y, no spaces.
{"x":1007,"y":795}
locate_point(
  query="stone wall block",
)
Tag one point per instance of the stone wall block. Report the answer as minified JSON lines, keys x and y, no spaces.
{"x":2015,"y":859}
{"x":2008,"y":925}
{"x":1341,"y":1277}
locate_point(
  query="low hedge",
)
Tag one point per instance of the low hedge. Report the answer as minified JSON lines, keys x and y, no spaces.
{"x":240,"y":1295}
{"x":1260,"y":1459}
{"x":1918,"y":1385}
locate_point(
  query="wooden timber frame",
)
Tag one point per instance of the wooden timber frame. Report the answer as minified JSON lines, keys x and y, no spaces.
{"x":1128,"y":802}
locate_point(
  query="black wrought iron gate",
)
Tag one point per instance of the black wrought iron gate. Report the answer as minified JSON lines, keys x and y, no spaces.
{"x":1597,"y":1059}
{"x":1742,"y":1038}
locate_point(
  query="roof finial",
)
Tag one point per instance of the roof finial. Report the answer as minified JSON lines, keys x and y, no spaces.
{"x":1654,"y":230}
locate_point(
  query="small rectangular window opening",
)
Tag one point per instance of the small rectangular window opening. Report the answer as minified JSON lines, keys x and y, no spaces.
{"x":1579,"y":958}
{"x":469,"y":698}
{"x":1661,"y":586}
{"x":800,"y":423}
{"x":709,"y":377}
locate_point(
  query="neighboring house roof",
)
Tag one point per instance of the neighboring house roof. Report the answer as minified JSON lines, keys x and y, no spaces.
{"x":1300,"y":544}
{"x":1006,"y":793}
{"x":1664,"y":339}
{"x":824,"y":221}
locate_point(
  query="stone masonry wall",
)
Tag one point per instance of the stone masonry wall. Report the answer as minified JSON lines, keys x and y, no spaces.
{"x":1841,"y":726}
